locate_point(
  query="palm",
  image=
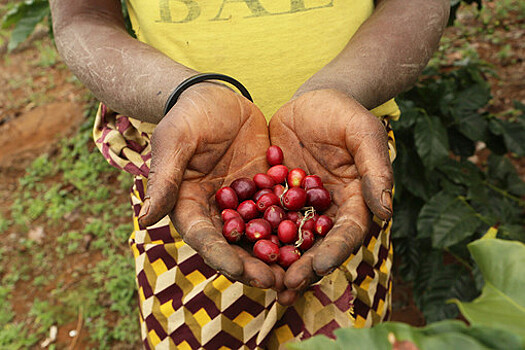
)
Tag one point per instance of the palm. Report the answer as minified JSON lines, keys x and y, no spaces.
{"x":210,"y":138}
{"x":331,"y":135}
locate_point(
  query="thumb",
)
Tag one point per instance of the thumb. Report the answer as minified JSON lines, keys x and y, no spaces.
{"x":171,"y":150}
{"x":367,"y":141}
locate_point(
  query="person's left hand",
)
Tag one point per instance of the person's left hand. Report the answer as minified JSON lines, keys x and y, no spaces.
{"x":329,"y":134}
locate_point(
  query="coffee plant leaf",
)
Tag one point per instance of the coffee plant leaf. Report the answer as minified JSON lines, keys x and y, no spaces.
{"x":512,"y":232}
{"x":405,"y":217}
{"x":513,"y":134}
{"x":503,"y":174}
{"x":431,"y":140}
{"x":460,"y":145}
{"x":436,"y":283}
{"x":447,"y":220}
{"x":462,"y":172}
{"x":25,"y":16}
{"x":410,"y":175}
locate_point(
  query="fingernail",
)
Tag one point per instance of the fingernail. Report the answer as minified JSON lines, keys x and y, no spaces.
{"x":301,"y":285}
{"x":145,"y":209}
{"x":329,"y":271}
{"x":255,"y":283}
{"x":386,"y":200}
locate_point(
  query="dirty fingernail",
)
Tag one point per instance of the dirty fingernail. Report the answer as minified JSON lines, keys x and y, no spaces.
{"x":386,"y":200}
{"x":145,"y":209}
{"x":255,"y":283}
{"x":301,"y":285}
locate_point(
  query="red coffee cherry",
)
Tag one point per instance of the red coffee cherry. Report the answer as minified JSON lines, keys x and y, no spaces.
{"x":308,"y":240}
{"x":266,"y":250}
{"x":226,"y":198}
{"x":288,"y":254}
{"x":311,"y":181}
{"x":263,"y":181}
{"x":258,"y":229}
{"x":274,"y":215}
{"x":310,"y":223}
{"x":233,"y":229}
{"x":266,"y":201}
{"x":228,"y":214}
{"x":287,"y":231}
{"x":295,"y":177}
{"x":259,"y":193}
{"x":274,"y":155}
{"x":278,"y":190}
{"x":294,"y":198}
{"x":244,"y":187}
{"x":295,"y":216}
{"x":275,"y":240}
{"x":248,"y":210}
{"x":278,"y":173}
{"x":323,"y":225}
{"x":319,"y":198}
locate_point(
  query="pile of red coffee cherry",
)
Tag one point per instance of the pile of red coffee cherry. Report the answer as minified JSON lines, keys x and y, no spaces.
{"x":280,"y":211}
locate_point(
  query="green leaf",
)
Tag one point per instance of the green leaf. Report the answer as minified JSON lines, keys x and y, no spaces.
{"x":514,"y":232}
{"x":474,"y":126}
{"x":513,"y":134}
{"x":436,"y":283}
{"x":447,"y":220}
{"x":450,"y":335}
{"x":431,"y":141}
{"x":314,"y":343}
{"x":505,"y":175}
{"x":471,"y":99}
{"x":502,"y":302}
{"x":459,"y":144}
{"x":409,"y":172}
{"x":25,"y":17}
{"x":405,"y":217}
{"x":461,"y":172}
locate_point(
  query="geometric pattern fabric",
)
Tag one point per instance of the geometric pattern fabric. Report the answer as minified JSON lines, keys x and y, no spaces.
{"x":185,"y":304}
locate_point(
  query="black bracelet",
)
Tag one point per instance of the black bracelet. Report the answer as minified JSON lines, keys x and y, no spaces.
{"x":198,"y":79}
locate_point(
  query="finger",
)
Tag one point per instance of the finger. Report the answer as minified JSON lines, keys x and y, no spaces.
{"x":193,"y":222}
{"x":256,"y":272}
{"x":171,"y":150}
{"x":279,"y":274}
{"x":287,"y":297}
{"x":350,"y":228}
{"x":367,"y":141}
{"x":300,"y":275}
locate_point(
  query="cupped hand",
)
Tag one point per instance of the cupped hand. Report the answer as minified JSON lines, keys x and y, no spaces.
{"x":211,"y":137}
{"x":329,"y":134}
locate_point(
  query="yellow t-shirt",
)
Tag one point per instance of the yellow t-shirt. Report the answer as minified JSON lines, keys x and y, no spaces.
{"x":271,"y":46}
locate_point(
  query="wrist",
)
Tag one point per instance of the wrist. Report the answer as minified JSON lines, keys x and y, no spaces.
{"x":200,"y":79}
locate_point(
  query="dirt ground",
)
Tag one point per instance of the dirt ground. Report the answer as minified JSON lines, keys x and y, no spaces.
{"x":41,"y":102}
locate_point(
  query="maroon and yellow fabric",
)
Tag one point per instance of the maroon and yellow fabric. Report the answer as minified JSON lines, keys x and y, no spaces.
{"x":184,"y":304}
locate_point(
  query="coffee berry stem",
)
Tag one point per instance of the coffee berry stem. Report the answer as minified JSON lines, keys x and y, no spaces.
{"x":308,"y":214}
{"x":284,"y":192}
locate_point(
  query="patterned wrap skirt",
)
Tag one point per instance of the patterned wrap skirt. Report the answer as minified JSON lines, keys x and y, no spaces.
{"x":185,"y":304}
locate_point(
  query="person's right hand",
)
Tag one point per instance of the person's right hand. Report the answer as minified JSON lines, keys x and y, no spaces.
{"x":211,"y":137}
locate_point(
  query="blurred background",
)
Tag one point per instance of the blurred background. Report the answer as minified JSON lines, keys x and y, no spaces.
{"x":66,"y":274}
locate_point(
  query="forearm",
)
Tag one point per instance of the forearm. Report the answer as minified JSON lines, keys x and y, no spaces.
{"x":130,"y":77}
{"x":387,"y":53}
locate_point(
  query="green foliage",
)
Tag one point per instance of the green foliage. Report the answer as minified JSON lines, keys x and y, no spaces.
{"x":496,"y":317}
{"x":454,"y":6}
{"x":502,"y":301}
{"x":443,"y":200}
{"x":25,"y":16}
{"x":68,"y":193}
{"x":453,"y":335}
